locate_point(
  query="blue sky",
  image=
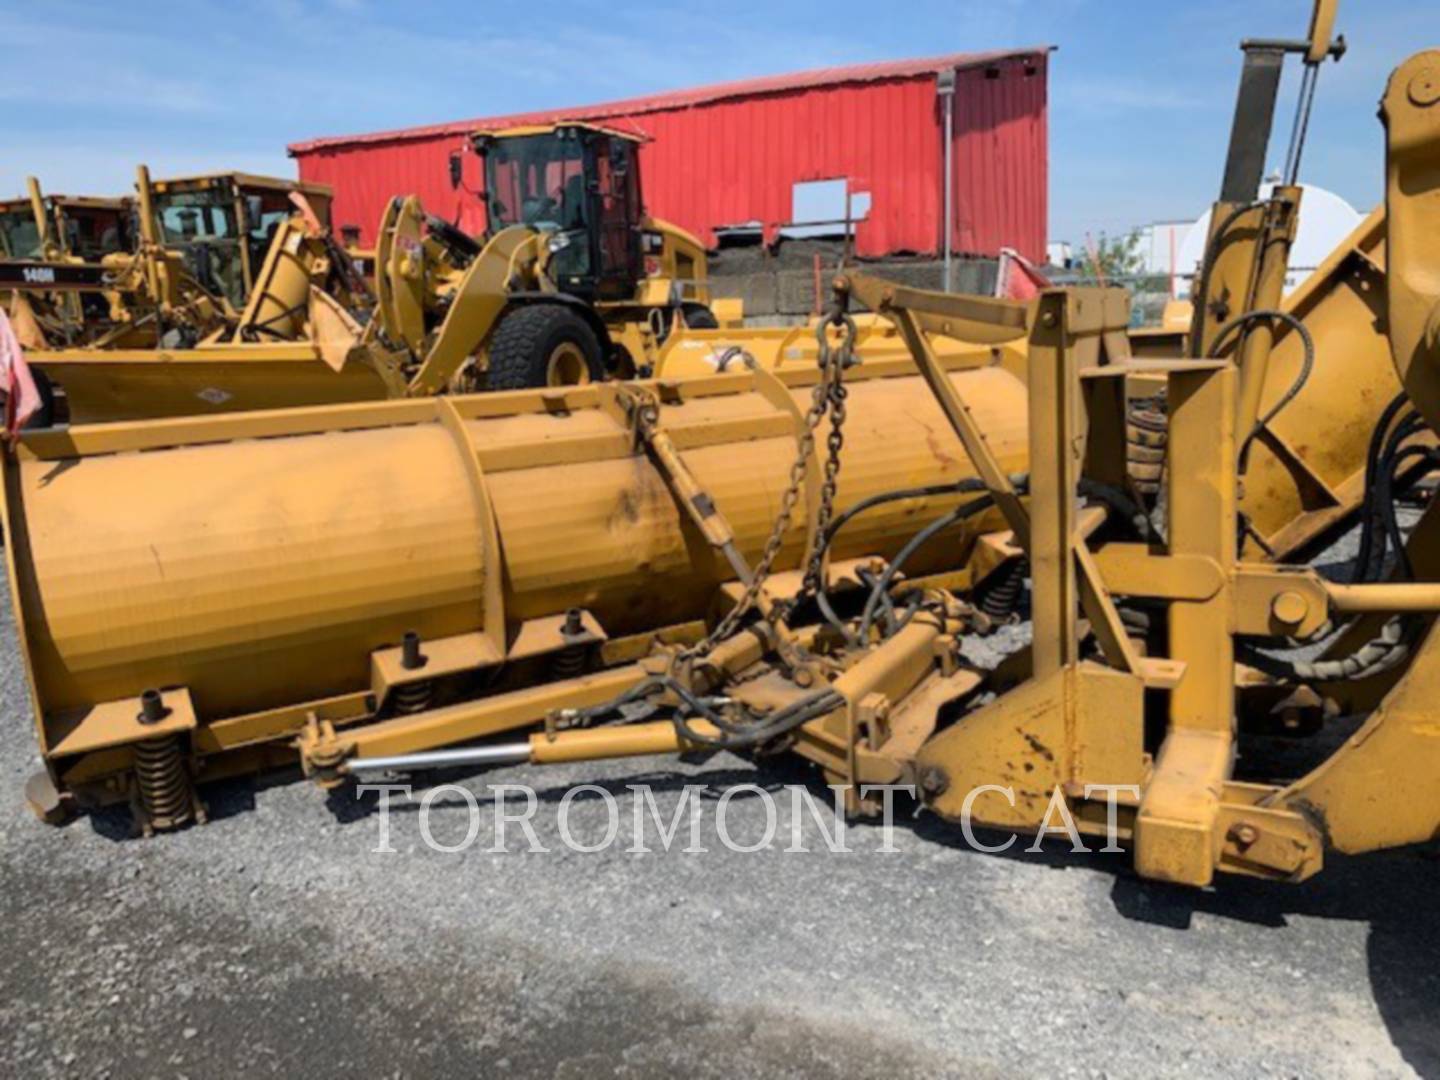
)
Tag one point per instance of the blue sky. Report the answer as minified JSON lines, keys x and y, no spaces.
{"x":1141,"y":92}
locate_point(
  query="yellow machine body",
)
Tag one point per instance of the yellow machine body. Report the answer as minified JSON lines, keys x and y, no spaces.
{"x":1305,"y":471}
{"x":266,"y":560}
{"x":786,"y":557}
{"x":130,"y":384}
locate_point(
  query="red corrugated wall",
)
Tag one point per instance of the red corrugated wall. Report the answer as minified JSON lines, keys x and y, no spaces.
{"x":1001,"y":166}
{"x":732,"y":161}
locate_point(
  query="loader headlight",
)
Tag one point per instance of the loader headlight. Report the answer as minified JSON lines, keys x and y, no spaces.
{"x":559,"y":242}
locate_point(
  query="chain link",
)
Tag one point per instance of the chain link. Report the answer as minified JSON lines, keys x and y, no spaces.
{"x":833,"y":374}
{"x":827,"y":398}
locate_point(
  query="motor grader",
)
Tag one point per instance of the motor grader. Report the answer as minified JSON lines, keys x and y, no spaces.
{"x":770,"y":561}
{"x":50,"y":249}
{"x":172,"y":268}
{"x":223,"y":260}
{"x":223,"y":224}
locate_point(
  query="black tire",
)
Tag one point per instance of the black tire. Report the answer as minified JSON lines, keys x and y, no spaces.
{"x":699,"y":317}
{"x":539,"y":345}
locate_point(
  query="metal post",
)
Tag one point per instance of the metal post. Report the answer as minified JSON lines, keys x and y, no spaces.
{"x":945,"y":87}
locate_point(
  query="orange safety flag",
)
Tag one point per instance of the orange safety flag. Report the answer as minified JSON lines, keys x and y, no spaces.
{"x":22,"y":398}
{"x":307,"y":212}
{"x":1019,"y":278}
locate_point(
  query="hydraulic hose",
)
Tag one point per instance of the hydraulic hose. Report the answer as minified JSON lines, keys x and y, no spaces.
{"x":1306,"y":367}
{"x":1389,"y":649}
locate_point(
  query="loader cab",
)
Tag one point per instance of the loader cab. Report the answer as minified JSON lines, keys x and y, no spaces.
{"x":580,"y":185}
{"x":223,"y":224}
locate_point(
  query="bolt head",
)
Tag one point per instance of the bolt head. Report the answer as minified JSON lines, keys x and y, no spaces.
{"x":1244,"y":834}
{"x":1289,"y":608}
{"x":1425,"y":87}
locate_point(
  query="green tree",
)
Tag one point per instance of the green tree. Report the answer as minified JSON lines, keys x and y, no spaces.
{"x":1113,"y":260}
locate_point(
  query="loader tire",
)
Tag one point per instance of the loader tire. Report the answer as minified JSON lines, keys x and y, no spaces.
{"x":543,"y":345}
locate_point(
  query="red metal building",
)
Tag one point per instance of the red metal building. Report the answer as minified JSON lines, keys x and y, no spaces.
{"x":732,"y":154}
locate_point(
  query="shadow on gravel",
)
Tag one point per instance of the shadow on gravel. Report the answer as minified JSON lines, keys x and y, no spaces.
{"x":1392,"y":891}
{"x":222,"y":799}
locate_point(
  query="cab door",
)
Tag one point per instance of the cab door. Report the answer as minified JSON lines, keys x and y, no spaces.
{"x":618,"y":189}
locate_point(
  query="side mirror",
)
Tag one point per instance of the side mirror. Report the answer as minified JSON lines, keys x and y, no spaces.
{"x":457,"y":169}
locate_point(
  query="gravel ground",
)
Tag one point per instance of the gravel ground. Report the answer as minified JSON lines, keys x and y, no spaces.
{"x":275,"y":940}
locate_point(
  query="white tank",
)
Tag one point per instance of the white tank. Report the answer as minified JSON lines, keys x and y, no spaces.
{"x":1325,"y":220}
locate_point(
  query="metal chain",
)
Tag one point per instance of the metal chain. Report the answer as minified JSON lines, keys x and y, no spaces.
{"x":836,"y":392}
{"x":829,"y":394}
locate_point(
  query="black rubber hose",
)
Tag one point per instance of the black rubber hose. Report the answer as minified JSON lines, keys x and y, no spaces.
{"x":1389,"y":477}
{"x":966,"y":485}
{"x":1378,"y":655}
{"x":1361,"y":570}
{"x":1122,"y":504}
{"x":939,"y":525}
{"x":1376,"y":535}
{"x":1307,"y":365}
{"x":779,"y":723}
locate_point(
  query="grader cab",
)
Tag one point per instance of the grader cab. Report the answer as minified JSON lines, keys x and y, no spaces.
{"x":42,"y":226}
{"x":223,"y":224}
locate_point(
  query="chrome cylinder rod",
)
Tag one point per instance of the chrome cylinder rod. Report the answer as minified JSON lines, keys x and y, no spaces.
{"x":504,"y":754}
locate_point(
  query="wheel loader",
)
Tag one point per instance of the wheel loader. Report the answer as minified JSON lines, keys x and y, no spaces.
{"x":607,"y":282}
{"x":764,"y":562}
{"x":572,"y":282}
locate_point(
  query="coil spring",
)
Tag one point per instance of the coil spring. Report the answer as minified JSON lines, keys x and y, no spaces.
{"x":1000,"y":594}
{"x":412,"y":697}
{"x":163,"y":786}
{"x":570,"y":662}
{"x":1146,"y":437}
